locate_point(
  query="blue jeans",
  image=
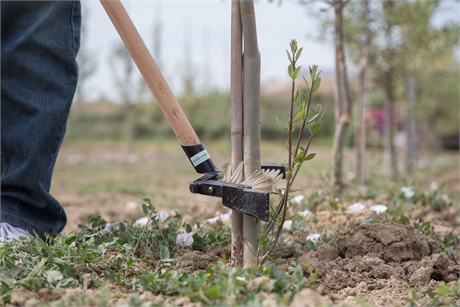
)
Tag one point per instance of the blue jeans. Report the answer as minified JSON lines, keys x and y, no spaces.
{"x":39,"y":72}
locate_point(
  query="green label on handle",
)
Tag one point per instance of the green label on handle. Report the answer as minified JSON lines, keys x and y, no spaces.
{"x":200,"y":157}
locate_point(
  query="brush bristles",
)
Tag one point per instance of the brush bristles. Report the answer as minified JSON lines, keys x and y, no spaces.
{"x":262,"y":180}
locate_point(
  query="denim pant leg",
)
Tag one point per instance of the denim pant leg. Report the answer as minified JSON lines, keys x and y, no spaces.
{"x":39,"y":43}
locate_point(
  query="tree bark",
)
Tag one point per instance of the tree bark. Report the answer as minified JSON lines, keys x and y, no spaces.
{"x":412,"y":138}
{"x":342,"y":97}
{"x":361,"y":124}
{"x":389,"y":152}
{"x":251,"y":122}
{"x":236,"y":108}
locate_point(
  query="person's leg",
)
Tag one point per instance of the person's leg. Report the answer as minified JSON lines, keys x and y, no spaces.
{"x":39,"y":43}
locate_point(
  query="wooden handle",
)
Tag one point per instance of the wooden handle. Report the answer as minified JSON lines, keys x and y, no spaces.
{"x":151,"y":73}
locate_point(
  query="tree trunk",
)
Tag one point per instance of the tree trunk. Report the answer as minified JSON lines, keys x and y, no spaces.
{"x":236,"y":107}
{"x":342,"y":94}
{"x":412,"y":138}
{"x":129,"y":125}
{"x":389,"y":152}
{"x":361,"y":124}
{"x":251,"y":122}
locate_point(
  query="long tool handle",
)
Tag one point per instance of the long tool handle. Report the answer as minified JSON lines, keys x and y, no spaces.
{"x":176,"y":117}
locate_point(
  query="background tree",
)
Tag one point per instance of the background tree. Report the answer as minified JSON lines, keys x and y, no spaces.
{"x":342,"y":95}
{"x":362,"y":99}
{"x":406,"y":44}
{"x":343,"y":99}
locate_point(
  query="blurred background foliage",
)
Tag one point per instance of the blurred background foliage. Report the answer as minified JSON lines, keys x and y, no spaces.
{"x":404,"y":41}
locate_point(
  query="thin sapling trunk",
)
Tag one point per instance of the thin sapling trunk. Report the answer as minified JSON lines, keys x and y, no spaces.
{"x":236,"y":107}
{"x":251,"y":122}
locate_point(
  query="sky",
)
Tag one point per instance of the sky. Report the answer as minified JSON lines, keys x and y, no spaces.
{"x":195,"y":37}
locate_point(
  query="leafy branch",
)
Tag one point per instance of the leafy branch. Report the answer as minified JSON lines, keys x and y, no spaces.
{"x":308,"y":117}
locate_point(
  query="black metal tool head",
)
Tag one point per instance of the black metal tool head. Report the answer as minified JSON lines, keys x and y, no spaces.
{"x":237,"y":197}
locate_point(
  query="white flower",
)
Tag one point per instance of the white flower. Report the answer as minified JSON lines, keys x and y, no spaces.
{"x":379,"y":208}
{"x":162,"y":215}
{"x":107,"y":229}
{"x":356,"y":207}
{"x":444,"y":197}
{"x":313,"y":237}
{"x":184,"y":239}
{"x":225,"y":217}
{"x":351,"y":176}
{"x":297,"y":199}
{"x":433,"y":186}
{"x":240,"y":278}
{"x":407,"y":191}
{"x":142,"y":221}
{"x":220,"y":217}
{"x":306,"y":214}
{"x":131,"y":205}
{"x":213,"y":220}
{"x":287,"y":224}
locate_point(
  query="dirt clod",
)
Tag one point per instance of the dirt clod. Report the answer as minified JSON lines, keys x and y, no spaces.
{"x":194,"y":260}
{"x":23,"y":297}
{"x":391,"y":242}
{"x":327,"y":252}
{"x":310,"y":298}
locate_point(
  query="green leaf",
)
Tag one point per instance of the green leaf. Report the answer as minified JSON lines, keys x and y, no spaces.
{"x":296,"y":72}
{"x":290,"y":70}
{"x":31,"y":283}
{"x":303,"y":108}
{"x":313,"y":71}
{"x":317,"y":75}
{"x":296,"y":94}
{"x":293,"y":46}
{"x":289,"y":56}
{"x":164,"y":253}
{"x":279,"y":192}
{"x":148,"y":201}
{"x":306,"y":84}
{"x":315,"y":128}
{"x":299,"y":52}
{"x":130,"y":262}
{"x":299,"y":116}
{"x":288,"y":175}
{"x":188,"y":228}
{"x":53,"y":276}
{"x":310,"y":156}
{"x":313,"y":110}
{"x":303,"y":97}
{"x":315,"y":85}
{"x":145,"y":209}
{"x":279,"y":121}
{"x":313,"y":118}
{"x":4,"y":278}
{"x":299,"y":156}
{"x":404,"y":220}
